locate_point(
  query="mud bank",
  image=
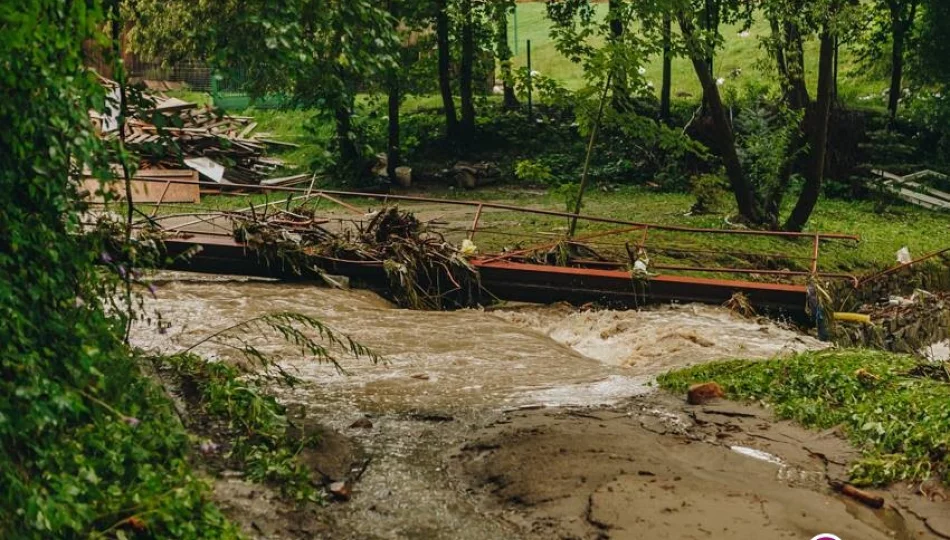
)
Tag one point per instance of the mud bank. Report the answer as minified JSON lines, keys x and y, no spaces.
{"x":656,"y":468}
{"x":529,"y":422}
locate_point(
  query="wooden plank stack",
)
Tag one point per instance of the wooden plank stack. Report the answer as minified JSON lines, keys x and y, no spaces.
{"x":193,"y":131}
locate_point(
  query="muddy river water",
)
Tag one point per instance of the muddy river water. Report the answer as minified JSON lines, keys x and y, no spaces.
{"x":447,"y":374}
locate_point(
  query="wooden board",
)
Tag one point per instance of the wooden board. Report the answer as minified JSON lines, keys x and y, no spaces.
{"x":915,"y":193}
{"x":150,"y":186}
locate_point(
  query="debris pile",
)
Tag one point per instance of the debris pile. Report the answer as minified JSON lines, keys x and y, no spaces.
{"x":176,"y":134}
{"x":899,"y":324}
{"x":424,"y":270}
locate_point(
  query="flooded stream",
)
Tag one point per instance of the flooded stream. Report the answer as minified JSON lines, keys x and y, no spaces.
{"x":446,"y":373}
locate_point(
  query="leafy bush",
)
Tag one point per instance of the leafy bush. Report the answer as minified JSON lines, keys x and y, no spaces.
{"x":532,"y":171}
{"x":711,"y":191}
{"x":893,"y":407}
{"x":89,"y":447}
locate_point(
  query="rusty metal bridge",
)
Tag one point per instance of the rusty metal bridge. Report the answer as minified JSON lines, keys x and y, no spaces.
{"x":517,"y":246}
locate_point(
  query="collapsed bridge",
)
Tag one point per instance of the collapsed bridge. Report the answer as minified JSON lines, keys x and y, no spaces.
{"x":522,"y":253}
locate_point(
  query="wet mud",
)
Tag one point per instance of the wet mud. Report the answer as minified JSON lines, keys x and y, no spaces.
{"x":530,"y":422}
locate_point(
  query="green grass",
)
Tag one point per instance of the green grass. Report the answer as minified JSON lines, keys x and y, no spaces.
{"x":737,"y":52}
{"x":293,"y":126}
{"x":892,"y":407}
{"x":200,"y":98}
{"x":882,"y":232}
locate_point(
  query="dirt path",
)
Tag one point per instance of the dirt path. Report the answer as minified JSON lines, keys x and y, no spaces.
{"x":657,"y":468}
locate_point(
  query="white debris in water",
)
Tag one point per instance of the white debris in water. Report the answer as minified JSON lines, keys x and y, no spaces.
{"x":610,"y":390}
{"x":757,"y":454}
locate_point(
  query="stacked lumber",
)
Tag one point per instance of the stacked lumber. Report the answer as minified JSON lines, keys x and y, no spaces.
{"x":908,"y":189}
{"x":220,"y":147}
{"x":148,"y":186}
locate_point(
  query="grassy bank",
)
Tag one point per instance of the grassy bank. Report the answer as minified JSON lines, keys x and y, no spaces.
{"x":739,"y":51}
{"x":893,"y":407}
{"x":882,"y":231}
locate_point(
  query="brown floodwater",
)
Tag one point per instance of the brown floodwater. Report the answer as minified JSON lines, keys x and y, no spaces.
{"x":446,"y":373}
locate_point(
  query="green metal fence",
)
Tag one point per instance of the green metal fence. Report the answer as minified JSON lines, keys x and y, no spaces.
{"x":227,"y":92}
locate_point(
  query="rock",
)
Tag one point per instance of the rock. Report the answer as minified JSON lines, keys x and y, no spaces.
{"x":470,"y":175}
{"x":362,"y":423}
{"x":420,"y":376}
{"x":340,"y":491}
{"x":700,"y":394}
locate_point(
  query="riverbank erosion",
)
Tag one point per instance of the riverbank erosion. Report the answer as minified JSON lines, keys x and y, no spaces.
{"x":655,"y":466}
{"x":531,"y":422}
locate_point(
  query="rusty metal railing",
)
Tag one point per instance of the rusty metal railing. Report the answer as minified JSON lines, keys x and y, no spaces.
{"x":477,"y":227}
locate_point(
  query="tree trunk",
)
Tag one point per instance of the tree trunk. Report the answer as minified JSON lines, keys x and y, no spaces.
{"x":795,"y":62}
{"x":392,"y":149}
{"x":711,"y":26}
{"x":725,"y":138}
{"x":621,"y":93}
{"x":778,"y":45}
{"x":503,"y":53}
{"x":816,"y":168}
{"x":834,"y":90}
{"x":349,"y":152}
{"x":466,"y":72}
{"x":901,"y":24}
{"x":666,"y":87}
{"x":897,"y":68}
{"x":445,"y":62}
{"x":393,"y":156}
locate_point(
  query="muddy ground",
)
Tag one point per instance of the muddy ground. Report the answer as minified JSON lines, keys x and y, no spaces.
{"x":534,"y":422}
{"x":651,"y":467}
{"x":657,"y":468}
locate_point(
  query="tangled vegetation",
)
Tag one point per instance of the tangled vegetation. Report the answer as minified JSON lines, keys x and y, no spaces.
{"x":234,"y":409}
{"x":91,"y":446}
{"x":424,"y":270}
{"x":893,"y":407}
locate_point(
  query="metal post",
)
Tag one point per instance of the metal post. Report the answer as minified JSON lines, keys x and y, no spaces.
{"x":161,"y":199}
{"x":530,"y":83}
{"x":590,"y":150}
{"x":478,"y":215}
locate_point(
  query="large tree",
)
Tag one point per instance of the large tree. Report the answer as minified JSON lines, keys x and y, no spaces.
{"x":317,"y":52}
{"x":501,"y":9}
{"x":759,"y":201}
{"x":901,"y":15}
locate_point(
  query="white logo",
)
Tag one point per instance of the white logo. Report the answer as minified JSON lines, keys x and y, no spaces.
{"x":825,"y":536}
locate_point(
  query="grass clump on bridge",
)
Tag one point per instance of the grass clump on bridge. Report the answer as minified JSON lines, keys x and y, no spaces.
{"x":893,"y":407}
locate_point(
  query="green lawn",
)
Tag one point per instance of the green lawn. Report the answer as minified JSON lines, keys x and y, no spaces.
{"x":882,"y":232}
{"x":737,"y":52}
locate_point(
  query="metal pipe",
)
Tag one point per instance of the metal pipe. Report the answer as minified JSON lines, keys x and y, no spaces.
{"x":478,"y":215}
{"x":461,"y":202}
{"x":590,"y":151}
{"x":554,"y":244}
{"x":160,"y":199}
{"x":613,"y":264}
{"x":875,"y":277}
